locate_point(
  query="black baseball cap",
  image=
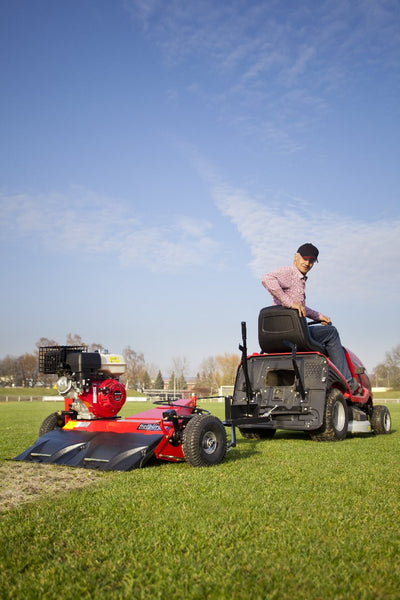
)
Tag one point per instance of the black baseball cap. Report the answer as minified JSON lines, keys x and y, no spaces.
{"x":308,"y":251}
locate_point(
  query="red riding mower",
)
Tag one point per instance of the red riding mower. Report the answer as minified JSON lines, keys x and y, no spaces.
{"x":292,"y":385}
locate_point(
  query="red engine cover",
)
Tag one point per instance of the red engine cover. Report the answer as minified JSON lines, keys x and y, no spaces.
{"x":104,"y":398}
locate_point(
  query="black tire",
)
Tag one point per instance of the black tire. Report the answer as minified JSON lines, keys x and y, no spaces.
{"x":381,"y":421}
{"x":204,"y":441}
{"x":53,"y":421}
{"x":257,"y":433}
{"x":336,"y":419}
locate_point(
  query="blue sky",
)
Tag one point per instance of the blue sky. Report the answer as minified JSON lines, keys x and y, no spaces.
{"x":157,"y":157}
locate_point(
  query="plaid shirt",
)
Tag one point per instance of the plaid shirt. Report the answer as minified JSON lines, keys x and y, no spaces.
{"x":286,"y":286}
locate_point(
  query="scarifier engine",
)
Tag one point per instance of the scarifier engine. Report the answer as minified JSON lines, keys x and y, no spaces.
{"x":88,"y":381}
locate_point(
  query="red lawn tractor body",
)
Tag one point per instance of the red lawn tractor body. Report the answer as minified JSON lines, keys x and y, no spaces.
{"x":291,"y":384}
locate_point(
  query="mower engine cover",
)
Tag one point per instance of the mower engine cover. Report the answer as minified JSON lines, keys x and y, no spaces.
{"x":104,"y":399}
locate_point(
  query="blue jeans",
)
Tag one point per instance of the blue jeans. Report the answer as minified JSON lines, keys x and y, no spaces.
{"x":328,"y":336}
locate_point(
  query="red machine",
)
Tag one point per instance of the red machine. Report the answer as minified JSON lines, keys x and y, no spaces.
{"x":293,"y":385}
{"x":88,"y":432}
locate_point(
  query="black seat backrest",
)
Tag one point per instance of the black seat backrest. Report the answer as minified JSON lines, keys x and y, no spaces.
{"x":277,"y":324}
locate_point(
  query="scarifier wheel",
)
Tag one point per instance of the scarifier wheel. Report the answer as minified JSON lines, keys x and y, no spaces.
{"x":53,"y":421}
{"x":204,"y":441}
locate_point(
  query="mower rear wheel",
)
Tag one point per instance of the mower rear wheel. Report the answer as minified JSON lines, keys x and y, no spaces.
{"x":381,"y":421}
{"x":204,"y":441}
{"x":257,"y":433}
{"x":336,"y":419}
{"x":53,"y":421}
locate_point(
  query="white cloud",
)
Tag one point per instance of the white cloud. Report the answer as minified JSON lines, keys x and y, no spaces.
{"x":359,"y":258}
{"x":276,"y":65}
{"x":167,"y":248}
{"x":82,"y":220}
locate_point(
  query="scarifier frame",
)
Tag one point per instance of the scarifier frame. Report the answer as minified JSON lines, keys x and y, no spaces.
{"x":89,"y":433}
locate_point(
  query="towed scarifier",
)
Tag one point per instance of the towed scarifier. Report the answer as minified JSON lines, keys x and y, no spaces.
{"x":89,"y":433}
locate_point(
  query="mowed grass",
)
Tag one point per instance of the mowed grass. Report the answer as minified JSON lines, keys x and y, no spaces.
{"x":286,"y":518}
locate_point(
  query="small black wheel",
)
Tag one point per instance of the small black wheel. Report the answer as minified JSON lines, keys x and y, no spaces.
{"x":381,"y":421}
{"x":53,"y":421}
{"x":257,"y":433}
{"x":336,"y":419}
{"x":204,"y":441}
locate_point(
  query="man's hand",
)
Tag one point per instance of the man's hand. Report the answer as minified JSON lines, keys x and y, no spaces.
{"x":325,"y":320}
{"x":300,"y":308}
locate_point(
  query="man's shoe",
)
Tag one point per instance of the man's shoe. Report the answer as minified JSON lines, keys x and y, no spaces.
{"x":354,"y":386}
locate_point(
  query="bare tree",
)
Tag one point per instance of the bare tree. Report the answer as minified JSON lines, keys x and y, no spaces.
{"x":74,"y":340}
{"x":43,"y":342}
{"x":23,"y":370}
{"x":180,"y":367}
{"x":207,"y":381}
{"x":96,"y":347}
{"x":27,"y":370}
{"x":392,"y":364}
{"x":153,"y":371}
{"x":8,"y":370}
{"x":135,"y":368}
{"x":380,"y":376}
{"x":227,"y":366}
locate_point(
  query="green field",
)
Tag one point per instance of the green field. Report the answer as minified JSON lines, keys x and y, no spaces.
{"x":37,"y":392}
{"x":286,"y":518}
{"x":40,"y":391}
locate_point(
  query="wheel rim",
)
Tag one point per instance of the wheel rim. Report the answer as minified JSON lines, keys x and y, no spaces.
{"x":210,"y":442}
{"x":339,"y":416}
{"x":387,"y":422}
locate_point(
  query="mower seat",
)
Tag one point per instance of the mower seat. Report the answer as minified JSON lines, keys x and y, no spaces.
{"x":277,"y":325}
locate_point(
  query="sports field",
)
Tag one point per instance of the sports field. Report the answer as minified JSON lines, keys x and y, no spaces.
{"x":286,"y":518}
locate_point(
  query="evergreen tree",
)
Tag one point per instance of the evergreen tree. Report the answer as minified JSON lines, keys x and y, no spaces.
{"x":172,"y":381}
{"x":181,"y":383}
{"x":159,"y":382}
{"x":146,"y":381}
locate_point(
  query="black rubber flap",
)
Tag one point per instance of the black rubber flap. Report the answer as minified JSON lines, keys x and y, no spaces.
{"x":93,"y":450}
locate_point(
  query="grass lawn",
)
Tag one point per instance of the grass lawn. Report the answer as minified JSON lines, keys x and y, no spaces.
{"x":390,"y":394}
{"x":286,"y":518}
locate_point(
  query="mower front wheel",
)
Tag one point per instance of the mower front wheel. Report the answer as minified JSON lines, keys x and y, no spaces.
{"x":381,"y":421}
{"x":204,"y":441}
{"x":53,"y":421}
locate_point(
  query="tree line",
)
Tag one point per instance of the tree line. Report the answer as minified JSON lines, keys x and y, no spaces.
{"x":214,"y":371}
{"x":387,"y":373}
